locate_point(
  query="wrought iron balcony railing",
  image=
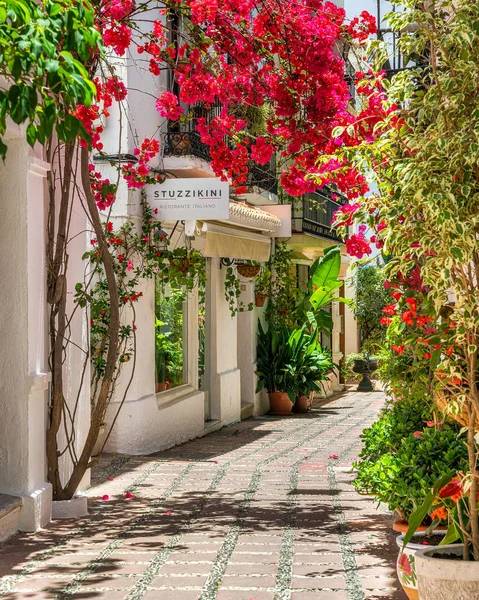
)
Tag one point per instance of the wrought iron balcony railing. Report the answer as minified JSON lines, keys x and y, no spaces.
{"x":186,"y":143}
{"x":316,"y":215}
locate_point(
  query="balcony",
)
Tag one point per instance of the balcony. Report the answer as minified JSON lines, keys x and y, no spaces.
{"x":315,"y":215}
{"x":186,"y":143}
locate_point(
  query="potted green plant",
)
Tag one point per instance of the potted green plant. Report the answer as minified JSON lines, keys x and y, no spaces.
{"x":274,"y":370}
{"x":161,"y":383}
{"x":310,"y":365}
{"x":262,"y":286}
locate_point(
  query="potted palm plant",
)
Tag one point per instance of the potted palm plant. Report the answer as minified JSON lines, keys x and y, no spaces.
{"x":311,"y":365}
{"x":274,"y":369}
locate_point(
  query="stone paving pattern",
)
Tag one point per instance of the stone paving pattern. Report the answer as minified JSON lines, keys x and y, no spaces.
{"x":260,"y":510}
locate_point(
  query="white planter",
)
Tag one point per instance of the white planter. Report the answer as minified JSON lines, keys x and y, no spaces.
{"x":446,"y":579}
{"x":70,"y":509}
{"x":406,"y":564}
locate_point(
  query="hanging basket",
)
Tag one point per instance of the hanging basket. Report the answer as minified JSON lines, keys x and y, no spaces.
{"x":248,"y":271}
{"x":442,"y":399}
{"x":182,"y":264}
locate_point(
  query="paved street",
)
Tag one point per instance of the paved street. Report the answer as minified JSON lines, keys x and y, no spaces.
{"x":262,"y":510}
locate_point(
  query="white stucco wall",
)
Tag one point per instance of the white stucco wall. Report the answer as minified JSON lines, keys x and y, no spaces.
{"x":23,"y":368}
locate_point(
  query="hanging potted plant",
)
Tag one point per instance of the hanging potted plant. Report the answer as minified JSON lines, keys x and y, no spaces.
{"x":249,"y":269}
{"x":262,"y":286}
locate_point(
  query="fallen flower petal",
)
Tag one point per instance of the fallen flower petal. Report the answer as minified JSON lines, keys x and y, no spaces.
{"x":128,"y":495}
{"x":105,"y":497}
{"x":334,"y":456}
{"x":110,"y":478}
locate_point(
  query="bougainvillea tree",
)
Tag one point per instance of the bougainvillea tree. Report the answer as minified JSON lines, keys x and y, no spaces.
{"x":423,"y":154}
{"x":282,"y":58}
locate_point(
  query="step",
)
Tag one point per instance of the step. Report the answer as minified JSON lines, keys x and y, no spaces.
{"x":10,"y":507}
{"x":247,"y":409}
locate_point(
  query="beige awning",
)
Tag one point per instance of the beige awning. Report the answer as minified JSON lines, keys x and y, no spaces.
{"x":234,"y":246}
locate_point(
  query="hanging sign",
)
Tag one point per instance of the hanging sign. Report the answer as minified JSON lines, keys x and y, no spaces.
{"x":195,"y":199}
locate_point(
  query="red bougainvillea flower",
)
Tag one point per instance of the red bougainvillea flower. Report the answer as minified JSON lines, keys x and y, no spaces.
{"x":385,"y":321}
{"x":167,"y":105}
{"x":398,"y":349}
{"x":110,"y":478}
{"x":128,"y":495}
{"x":405,"y":565}
{"x":452,"y":490}
{"x":357,"y":245}
{"x":105,"y":497}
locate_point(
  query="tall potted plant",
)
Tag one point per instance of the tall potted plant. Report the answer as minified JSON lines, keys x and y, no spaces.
{"x":274,"y":369}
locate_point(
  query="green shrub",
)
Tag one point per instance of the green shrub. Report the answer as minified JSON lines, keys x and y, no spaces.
{"x":398,"y":468}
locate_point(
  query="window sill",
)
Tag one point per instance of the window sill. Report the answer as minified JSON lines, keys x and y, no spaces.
{"x":182,"y":392}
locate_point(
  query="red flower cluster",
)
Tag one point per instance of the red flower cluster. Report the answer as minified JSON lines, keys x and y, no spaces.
{"x":103,"y":190}
{"x":357,"y":245}
{"x":361,"y":28}
{"x":138,"y":175}
{"x":167,"y":105}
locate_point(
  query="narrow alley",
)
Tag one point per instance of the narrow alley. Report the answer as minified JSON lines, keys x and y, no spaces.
{"x":260,"y":510}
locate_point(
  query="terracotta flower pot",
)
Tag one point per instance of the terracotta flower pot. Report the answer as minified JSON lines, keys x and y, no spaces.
{"x":441,"y":578}
{"x":402,"y":526}
{"x":280,"y":404}
{"x":161,"y":386}
{"x":302,"y":404}
{"x":406,"y":565}
{"x":260,"y":299}
{"x":248,"y":271}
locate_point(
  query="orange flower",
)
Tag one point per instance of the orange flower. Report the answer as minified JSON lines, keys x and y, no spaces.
{"x":440,"y":513}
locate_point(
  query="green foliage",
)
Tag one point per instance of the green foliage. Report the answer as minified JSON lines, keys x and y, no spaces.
{"x":398,"y":468}
{"x":272,"y":360}
{"x":323,"y":286}
{"x":233,"y":289}
{"x":308,"y":364}
{"x":284,"y":294}
{"x":291,"y":361}
{"x":262,"y":284}
{"x":370,"y":299}
{"x":170,"y":343}
{"x":43,"y":49}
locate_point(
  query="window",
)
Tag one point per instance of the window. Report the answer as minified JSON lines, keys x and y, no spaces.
{"x":171,"y":336}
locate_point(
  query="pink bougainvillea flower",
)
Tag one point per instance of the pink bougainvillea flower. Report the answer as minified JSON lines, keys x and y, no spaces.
{"x":128,"y":495}
{"x":405,"y":565}
{"x":433,"y":423}
{"x":105,"y":497}
{"x":417,"y":434}
{"x":168,"y":512}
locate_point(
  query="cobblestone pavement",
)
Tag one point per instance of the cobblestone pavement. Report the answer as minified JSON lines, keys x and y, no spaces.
{"x":262,"y":510}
